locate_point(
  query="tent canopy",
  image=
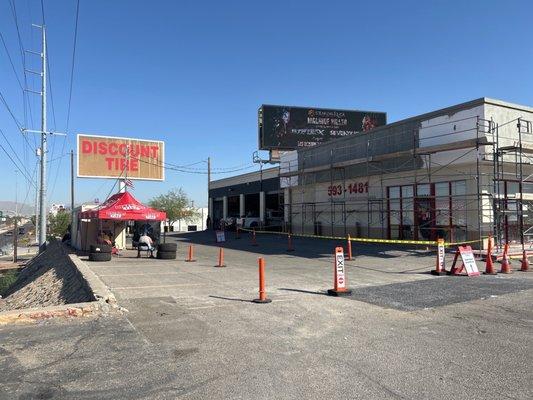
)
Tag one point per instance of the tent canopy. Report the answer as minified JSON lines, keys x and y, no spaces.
{"x":124,"y":207}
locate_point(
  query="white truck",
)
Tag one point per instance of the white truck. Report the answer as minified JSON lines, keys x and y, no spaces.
{"x":273,"y":219}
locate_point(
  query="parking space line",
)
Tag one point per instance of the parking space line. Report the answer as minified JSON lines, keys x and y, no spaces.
{"x":155,"y":286}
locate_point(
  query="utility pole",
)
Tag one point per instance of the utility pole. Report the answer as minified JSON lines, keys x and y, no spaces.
{"x":44,"y":145}
{"x":209,"y":211}
{"x":15,"y":224}
{"x":71,"y":191}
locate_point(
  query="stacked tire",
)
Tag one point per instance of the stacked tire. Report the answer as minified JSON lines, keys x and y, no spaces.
{"x":167,"y":251}
{"x":100,"y":252}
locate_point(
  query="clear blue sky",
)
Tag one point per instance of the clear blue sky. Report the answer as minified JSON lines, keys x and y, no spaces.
{"x":193,"y":73}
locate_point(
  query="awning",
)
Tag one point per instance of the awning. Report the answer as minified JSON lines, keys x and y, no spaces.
{"x":124,"y":207}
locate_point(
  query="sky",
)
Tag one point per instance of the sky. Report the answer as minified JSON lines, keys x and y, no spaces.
{"x":193,"y":74}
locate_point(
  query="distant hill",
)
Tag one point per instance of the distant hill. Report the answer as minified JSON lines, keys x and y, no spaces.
{"x":23,"y":209}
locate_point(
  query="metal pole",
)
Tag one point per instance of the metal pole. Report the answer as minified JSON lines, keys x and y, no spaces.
{"x":71,"y":190}
{"x":209,"y":210}
{"x":42,"y":198}
{"x":15,"y":225}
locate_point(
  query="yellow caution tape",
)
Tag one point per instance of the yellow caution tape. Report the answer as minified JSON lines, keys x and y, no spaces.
{"x":368,"y":240}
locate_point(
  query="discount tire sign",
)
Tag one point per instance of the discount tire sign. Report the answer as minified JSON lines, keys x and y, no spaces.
{"x":115,"y":157}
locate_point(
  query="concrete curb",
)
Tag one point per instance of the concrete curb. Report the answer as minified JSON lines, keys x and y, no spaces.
{"x":104,"y":300}
{"x":98,"y":288}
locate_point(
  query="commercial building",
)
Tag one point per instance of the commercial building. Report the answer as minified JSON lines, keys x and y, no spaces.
{"x":253,"y":195}
{"x":459,"y":173}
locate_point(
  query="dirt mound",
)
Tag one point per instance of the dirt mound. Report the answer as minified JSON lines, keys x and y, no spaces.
{"x":49,"y":279}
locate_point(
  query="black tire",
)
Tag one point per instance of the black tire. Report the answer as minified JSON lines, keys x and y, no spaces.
{"x":100,"y":248}
{"x":254,"y":225}
{"x":167,"y":247}
{"x":166,"y":255}
{"x":99,"y":256}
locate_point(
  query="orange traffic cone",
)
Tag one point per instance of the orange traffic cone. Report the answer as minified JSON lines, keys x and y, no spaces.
{"x":506,"y":266}
{"x":220,"y":258}
{"x":489,"y":266}
{"x":190,"y":257}
{"x":525,"y":263}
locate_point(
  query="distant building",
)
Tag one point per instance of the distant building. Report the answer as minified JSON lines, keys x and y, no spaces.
{"x":55,"y":208}
{"x":195,"y":224}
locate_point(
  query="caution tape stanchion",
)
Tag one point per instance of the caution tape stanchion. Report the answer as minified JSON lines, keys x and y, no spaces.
{"x":340,"y":286}
{"x":440,"y":266}
{"x":489,"y":264}
{"x":254,"y":239}
{"x":262,"y":290}
{"x":220,"y":258}
{"x":349,"y":247}
{"x":190,"y":257}
{"x":290,"y":247}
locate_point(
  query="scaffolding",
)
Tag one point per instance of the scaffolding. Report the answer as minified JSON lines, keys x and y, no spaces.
{"x":485,"y":206}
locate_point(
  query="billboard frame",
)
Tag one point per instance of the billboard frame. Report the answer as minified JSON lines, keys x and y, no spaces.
{"x":162,"y":179}
{"x":260,"y":117}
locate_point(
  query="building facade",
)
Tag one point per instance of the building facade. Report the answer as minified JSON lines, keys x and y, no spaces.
{"x":458,"y":173}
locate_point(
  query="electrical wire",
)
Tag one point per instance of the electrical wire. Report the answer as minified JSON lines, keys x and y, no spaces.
{"x":70,"y":93}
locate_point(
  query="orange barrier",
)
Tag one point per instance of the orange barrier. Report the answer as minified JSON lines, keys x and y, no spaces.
{"x":220,"y":258}
{"x":254,"y":239}
{"x":524,"y":267}
{"x":506,"y":265}
{"x":262,"y":291}
{"x":190,"y":258}
{"x":238,"y":233}
{"x":340,"y":286}
{"x":440,"y":266}
{"x":489,"y":265}
{"x":349,"y":247}
{"x":290,"y":247}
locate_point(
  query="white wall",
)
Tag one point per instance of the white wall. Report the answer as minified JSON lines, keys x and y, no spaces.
{"x":182,"y":226}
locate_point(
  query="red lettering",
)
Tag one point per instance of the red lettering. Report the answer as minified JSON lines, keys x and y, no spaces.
{"x":113,"y":149}
{"x":122,"y":164}
{"x":154,"y":151}
{"x":86,"y":146}
{"x":145,"y":151}
{"x":102,"y":148}
{"x":134,"y":165}
{"x":109,"y":161}
{"x":122,"y":149}
{"x":95,"y":147}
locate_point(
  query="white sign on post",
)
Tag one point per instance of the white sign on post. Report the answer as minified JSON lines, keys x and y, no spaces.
{"x":339,"y":268}
{"x":221,"y":236}
{"x":441,"y":255}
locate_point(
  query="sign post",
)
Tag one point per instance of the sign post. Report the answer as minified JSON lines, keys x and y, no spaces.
{"x":340,"y":287}
{"x":440,"y":268}
{"x":468,"y":262}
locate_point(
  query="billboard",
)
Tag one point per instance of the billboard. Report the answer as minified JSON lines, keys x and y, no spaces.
{"x":288,"y":128}
{"x":115,"y":157}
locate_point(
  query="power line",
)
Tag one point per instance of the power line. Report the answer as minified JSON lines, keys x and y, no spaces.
{"x":70,"y":93}
{"x":16,"y":166}
{"x":11,"y":61}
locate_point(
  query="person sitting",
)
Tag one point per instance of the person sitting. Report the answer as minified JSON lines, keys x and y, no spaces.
{"x":145,"y":243}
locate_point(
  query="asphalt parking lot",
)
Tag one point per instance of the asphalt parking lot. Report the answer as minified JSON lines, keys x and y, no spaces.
{"x":191,"y":330}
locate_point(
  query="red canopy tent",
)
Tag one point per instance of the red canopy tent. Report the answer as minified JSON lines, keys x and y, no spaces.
{"x":124,"y":207}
